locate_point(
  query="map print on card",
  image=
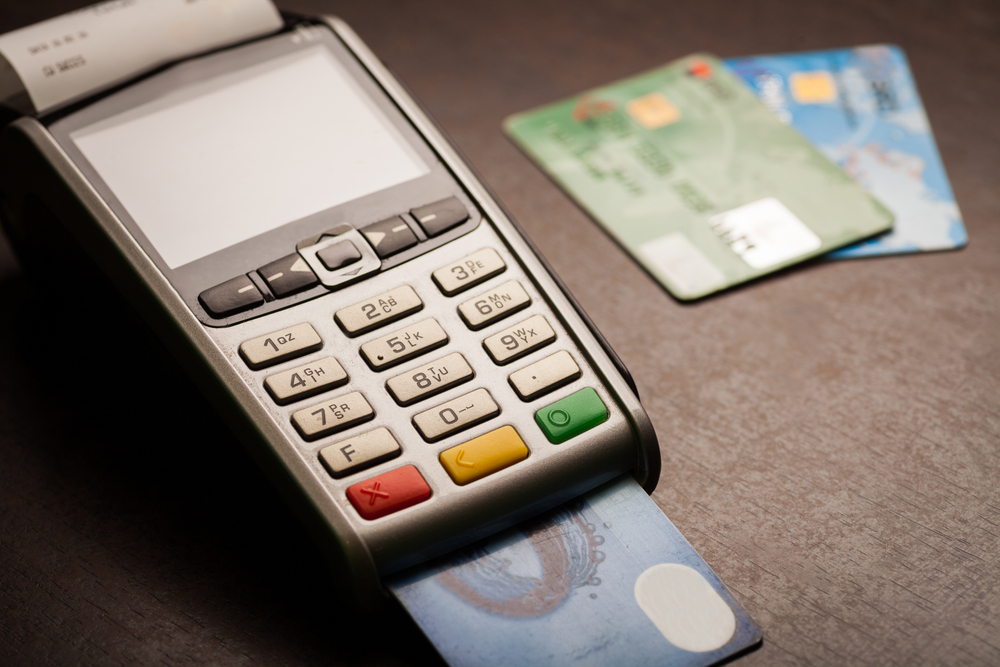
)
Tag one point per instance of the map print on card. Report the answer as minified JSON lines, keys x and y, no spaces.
{"x":861,"y":108}
{"x":696,"y":179}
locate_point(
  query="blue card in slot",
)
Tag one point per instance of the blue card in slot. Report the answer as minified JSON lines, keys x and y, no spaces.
{"x":603,"y":580}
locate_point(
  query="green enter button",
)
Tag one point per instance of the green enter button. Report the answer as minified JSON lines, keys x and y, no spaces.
{"x":572,"y":416}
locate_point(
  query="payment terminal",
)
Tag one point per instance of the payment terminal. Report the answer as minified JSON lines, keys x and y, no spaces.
{"x":339,"y":283}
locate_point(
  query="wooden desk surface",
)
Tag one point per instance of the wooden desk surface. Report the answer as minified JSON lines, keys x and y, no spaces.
{"x":830,"y":436}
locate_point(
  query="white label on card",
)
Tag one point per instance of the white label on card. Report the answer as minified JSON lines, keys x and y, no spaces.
{"x":77,"y":54}
{"x":765,"y":233}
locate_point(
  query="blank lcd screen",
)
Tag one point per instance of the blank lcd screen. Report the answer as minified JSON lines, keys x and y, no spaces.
{"x":221,"y":161}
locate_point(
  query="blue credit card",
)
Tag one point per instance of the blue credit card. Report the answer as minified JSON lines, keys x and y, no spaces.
{"x":603,"y":580}
{"x":860,"y":107}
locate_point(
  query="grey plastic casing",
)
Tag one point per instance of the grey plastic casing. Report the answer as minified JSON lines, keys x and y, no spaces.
{"x":33,"y":165}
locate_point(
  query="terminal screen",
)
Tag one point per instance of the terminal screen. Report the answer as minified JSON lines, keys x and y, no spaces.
{"x":223,"y":160}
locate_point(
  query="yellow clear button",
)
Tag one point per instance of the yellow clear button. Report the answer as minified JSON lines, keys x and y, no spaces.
{"x":484,"y":455}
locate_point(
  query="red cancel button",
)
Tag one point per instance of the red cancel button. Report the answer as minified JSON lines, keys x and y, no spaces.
{"x":388,"y":493}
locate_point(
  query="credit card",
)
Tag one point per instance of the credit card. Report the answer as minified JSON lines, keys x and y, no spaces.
{"x":701,"y":184}
{"x":860,"y":107}
{"x":603,"y":580}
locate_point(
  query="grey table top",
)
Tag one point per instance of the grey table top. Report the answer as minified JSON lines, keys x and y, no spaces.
{"x":830,"y":436}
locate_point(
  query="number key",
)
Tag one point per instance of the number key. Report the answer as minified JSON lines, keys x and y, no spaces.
{"x":455,"y":415}
{"x":516,"y":341}
{"x":408,"y":342}
{"x":430,"y":379}
{"x":335,"y":414}
{"x":378,"y":311}
{"x":273,"y":348}
{"x":304,"y":381}
{"x":468,"y":271}
{"x":494,"y":305}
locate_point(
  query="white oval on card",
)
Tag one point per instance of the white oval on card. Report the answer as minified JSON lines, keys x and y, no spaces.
{"x":685,"y":608}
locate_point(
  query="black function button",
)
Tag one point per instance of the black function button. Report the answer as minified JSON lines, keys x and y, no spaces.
{"x":288,"y":275}
{"x":441,"y":215}
{"x":231,"y":297}
{"x":339,"y":255}
{"x":390,"y":236}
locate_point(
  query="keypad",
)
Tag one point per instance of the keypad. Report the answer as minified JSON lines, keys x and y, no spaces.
{"x":336,"y":423}
{"x":334,"y":260}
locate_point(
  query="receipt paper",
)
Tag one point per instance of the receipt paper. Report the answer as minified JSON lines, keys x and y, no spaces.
{"x":67,"y":58}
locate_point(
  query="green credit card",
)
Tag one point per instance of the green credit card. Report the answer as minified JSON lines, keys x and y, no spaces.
{"x":702,"y":184}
